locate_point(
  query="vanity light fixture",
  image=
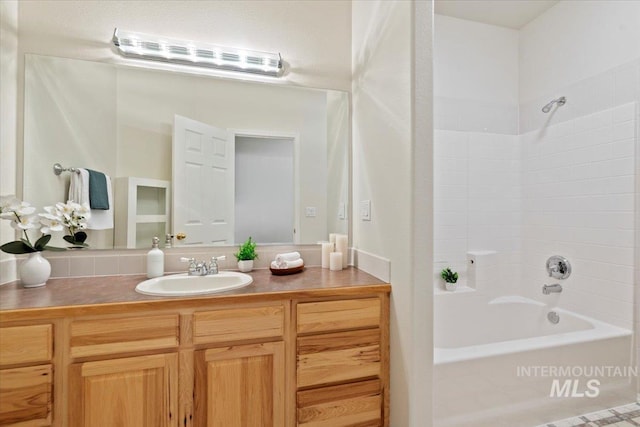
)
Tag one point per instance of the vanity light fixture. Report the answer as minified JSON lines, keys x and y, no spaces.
{"x":158,"y":48}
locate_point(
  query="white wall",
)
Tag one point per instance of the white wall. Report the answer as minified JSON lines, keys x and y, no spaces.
{"x":8,"y":112}
{"x":476,"y":76}
{"x":338,"y":184}
{"x":313,"y":37}
{"x":385,"y":172}
{"x":575,"y":40}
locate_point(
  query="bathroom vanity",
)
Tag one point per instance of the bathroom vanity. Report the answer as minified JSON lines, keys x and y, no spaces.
{"x":310,"y":349}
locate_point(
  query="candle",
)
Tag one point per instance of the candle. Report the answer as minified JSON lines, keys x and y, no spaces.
{"x":342,"y":241}
{"x":332,"y":238}
{"x":327,"y":248}
{"x":335,"y":261}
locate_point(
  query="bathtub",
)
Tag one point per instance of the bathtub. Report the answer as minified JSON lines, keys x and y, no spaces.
{"x":501,"y":362}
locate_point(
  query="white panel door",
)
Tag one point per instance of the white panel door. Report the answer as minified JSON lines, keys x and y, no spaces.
{"x":203,"y":183}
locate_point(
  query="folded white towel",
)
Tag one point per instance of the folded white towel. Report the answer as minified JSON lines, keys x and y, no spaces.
{"x":79,"y":187}
{"x":287,"y":264}
{"x":289,"y":256}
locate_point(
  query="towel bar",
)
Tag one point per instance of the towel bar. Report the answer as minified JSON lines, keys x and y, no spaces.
{"x":58,"y":169}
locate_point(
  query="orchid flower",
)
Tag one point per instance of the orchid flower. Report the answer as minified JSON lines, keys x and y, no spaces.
{"x":23,"y":218}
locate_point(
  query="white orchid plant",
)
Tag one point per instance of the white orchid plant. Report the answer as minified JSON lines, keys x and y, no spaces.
{"x":23,"y":218}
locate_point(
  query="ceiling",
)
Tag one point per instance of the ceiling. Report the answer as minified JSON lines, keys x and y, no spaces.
{"x":505,"y":13}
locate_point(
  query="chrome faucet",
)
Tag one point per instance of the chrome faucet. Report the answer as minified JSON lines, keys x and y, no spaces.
{"x":201,"y":268}
{"x":196,"y":268}
{"x":552,"y":289}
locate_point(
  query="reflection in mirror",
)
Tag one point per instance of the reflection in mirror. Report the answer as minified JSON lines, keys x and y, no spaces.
{"x":212,"y":159}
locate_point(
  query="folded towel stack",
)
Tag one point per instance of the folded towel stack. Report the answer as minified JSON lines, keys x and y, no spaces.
{"x":95,"y":192}
{"x":287,"y":260}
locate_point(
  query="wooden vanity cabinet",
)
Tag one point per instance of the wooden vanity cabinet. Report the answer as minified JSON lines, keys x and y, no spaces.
{"x":26,"y":375}
{"x":284,"y":362}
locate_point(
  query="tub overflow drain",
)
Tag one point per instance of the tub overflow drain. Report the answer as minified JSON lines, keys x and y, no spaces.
{"x":553,"y":317}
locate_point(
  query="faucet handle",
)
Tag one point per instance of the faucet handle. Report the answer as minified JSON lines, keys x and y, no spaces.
{"x":192,"y":264}
{"x":213,"y":265}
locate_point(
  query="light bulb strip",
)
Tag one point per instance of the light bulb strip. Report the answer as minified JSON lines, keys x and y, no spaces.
{"x":145,"y":46}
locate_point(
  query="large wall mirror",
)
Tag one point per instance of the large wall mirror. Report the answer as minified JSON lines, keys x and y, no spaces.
{"x":214,"y":160}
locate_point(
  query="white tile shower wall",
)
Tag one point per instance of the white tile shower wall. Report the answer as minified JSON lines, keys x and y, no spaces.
{"x":475,"y":116}
{"x":477,"y":201}
{"x":450,"y":201}
{"x":612,"y":88}
{"x":578,"y":201}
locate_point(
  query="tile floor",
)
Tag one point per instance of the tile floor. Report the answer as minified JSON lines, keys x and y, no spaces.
{"x":621,"y":416}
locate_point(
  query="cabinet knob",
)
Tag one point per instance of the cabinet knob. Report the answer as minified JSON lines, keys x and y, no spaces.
{"x":181,"y":236}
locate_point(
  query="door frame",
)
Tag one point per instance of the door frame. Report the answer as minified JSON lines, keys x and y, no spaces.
{"x":295,"y":137}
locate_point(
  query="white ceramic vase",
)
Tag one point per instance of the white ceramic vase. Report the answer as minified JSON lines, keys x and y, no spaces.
{"x":34,"y":271}
{"x":450,"y":286}
{"x":245,"y":266}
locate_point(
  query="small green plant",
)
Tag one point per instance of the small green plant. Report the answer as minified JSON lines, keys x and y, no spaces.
{"x":449,"y":276}
{"x":247,"y":251}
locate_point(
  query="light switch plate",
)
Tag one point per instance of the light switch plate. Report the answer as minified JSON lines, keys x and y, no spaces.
{"x":310,"y":212}
{"x":342,"y":210}
{"x":365,"y":210}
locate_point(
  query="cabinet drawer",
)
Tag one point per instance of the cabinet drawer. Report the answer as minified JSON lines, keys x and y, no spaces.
{"x":123,"y":335}
{"x":238,"y":324}
{"x":341,"y":406}
{"x":25,"y":396}
{"x":26,"y":344}
{"x":329,"y":316}
{"x":338,"y":357}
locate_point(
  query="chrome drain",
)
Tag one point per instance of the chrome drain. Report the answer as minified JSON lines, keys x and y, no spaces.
{"x":553,"y":317}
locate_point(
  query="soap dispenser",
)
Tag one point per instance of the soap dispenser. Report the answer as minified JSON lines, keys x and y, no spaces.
{"x":155,"y":260}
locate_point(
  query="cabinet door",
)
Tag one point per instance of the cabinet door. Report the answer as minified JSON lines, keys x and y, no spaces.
{"x":133,"y":392}
{"x":25,"y":396}
{"x":240,"y":386}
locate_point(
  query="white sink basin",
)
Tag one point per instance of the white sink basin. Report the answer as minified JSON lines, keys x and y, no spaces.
{"x":185,"y":285}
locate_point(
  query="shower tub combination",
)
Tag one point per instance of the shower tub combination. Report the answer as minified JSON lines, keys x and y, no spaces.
{"x":499,"y":362}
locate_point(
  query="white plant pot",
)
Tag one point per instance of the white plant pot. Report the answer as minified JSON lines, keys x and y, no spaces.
{"x":245,"y":266}
{"x":450,"y":286}
{"x":34,"y":271}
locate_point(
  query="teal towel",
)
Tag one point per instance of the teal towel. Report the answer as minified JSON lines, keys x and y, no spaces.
{"x":98,"y":193}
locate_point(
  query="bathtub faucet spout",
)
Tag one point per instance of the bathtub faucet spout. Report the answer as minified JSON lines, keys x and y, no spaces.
{"x":551,"y":289}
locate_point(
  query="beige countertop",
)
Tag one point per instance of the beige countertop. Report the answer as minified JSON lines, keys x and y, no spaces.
{"x":84,"y":295}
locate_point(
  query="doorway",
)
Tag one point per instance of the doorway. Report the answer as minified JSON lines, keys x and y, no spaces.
{"x":265,"y":189}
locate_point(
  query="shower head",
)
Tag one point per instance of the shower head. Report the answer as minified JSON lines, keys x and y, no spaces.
{"x":560,"y":101}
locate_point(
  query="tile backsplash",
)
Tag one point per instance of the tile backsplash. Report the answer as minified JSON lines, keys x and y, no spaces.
{"x":105,"y":263}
